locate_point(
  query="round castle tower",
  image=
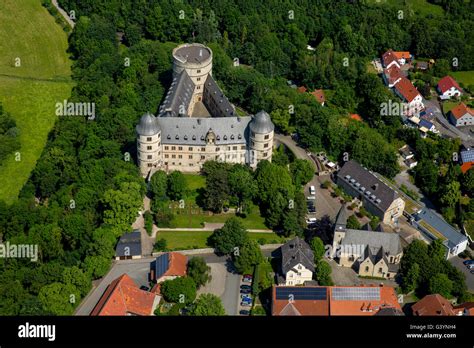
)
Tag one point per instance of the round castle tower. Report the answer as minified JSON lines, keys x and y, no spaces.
{"x":261,"y":138}
{"x":148,"y":144}
{"x":196,"y":59}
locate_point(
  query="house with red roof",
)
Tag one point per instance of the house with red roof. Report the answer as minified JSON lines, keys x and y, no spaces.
{"x":124,"y":297}
{"x":319,"y":95}
{"x":355,"y":117}
{"x":433,"y":305}
{"x":461,"y":115}
{"x":396,"y":58}
{"x":334,"y":301}
{"x":389,"y":59}
{"x":410,"y":95}
{"x":168,"y":266}
{"x":392,"y":75}
{"x":448,"y":87}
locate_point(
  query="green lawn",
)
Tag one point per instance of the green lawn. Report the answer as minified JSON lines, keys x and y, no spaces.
{"x":29,"y":92}
{"x":194,"y":217}
{"x":448,"y":105}
{"x":197,"y":240}
{"x":464,"y":77}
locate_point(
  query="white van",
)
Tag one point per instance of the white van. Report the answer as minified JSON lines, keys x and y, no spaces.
{"x":312,"y":190}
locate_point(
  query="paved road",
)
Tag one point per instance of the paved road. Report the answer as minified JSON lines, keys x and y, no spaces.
{"x":63,"y":13}
{"x":298,"y":151}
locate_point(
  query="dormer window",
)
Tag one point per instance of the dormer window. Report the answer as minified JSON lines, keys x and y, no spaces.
{"x":185,"y":137}
{"x":168,"y":137}
{"x":218,"y":137}
{"x":225,"y":137}
{"x":194,"y":137}
{"x":232,"y":137}
{"x":240,"y":136}
{"x":177,"y":137}
{"x":202,"y":137}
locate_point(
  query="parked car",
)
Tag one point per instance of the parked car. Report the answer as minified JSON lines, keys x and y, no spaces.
{"x":312,"y":190}
{"x":470,"y":265}
{"x":243,"y":286}
{"x":311,"y":220}
{"x":245,"y":291}
{"x":468,"y":262}
{"x":246,"y":300}
{"x":244,"y":312}
{"x":311,"y":198}
{"x":472,"y":271}
{"x":248,"y":276}
{"x":246,"y":296}
{"x":245,"y":304}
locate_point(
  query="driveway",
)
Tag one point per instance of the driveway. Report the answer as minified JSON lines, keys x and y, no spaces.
{"x":231,"y":295}
{"x":457,"y":262}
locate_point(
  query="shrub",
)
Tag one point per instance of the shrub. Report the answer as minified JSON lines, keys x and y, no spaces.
{"x":148,"y":222}
{"x":160,"y":245}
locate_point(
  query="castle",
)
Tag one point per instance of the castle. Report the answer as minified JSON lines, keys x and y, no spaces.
{"x":197,"y":123}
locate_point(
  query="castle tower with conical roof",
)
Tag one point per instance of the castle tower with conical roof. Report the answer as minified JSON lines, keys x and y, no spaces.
{"x":148,"y":144}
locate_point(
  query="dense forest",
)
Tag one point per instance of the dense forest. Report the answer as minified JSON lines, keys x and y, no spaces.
{"x":86,"y":188}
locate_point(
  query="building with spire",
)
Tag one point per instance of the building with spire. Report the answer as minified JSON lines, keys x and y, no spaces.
{"x":196,"y":122}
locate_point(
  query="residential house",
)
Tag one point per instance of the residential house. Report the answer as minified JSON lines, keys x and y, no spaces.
{"x":433,"y":305}
{"x":461,"y":115}
{"x":411,"y":163}
{"x":466,"y":308}
{"x":378,"y":198}
{"x":467,"y":159}
{"x":369,"y":253}
{"x":403,"y":57}
{"x":410,"y":95}
{"x":124,"y":297}
{"x":421,"y":66}
{"x":129,"y":246}
{"x":435,"y":227}
{"x":168,"y":266}
{"x":389,"y":59}
{"x":392,"y":75}
{"x":297,"y":265}
{"x":334,"y":301}
{"x":448,"y":87}
{"x":426,"y":126}
{"x":406,"y":152}
{"x":319,"y":95}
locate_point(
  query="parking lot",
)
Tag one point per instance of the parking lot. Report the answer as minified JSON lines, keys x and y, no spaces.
{"x":245,"y":297}
{"x":458,"y":263}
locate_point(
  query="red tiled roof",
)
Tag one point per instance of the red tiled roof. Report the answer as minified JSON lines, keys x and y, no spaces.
{"x":406,"y":89}
{"x":124,"y":297}
{"x":301,"y":89}
{"x":299,"y":307}
{"x":329,"y":306}
{"x":177,"y":265}
{"x":402,"y":54}
{"x":355,"y":117}
{"x":319,"y":95}
{"x":393,"y":73}
{"x":466,"y":166}
{"x":460,"y":110}
{"x":388,"y":299}
{"x":446,"y":83}
{"x":468,"y":306}
{"x":433,"y":305}
{"x":388,"y":57}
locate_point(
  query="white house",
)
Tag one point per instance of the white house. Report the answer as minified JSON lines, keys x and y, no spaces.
{"x":448,"y":88}
{"x":461,"y":115}
{"x":297,"y":262}
{"x":410,"y":95}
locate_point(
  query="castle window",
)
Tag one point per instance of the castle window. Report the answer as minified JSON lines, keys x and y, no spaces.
{"x":265,"y":145}
{"x":267,"y":136}
{"x":167,"y":147}
{"x":203,"y":157}
{"x":366,"y":268}
{"x":180,"y":148}
{"x":265,"y":154}
{"x":218,"y":137}
{"x":203,"y":149}
{"x":148,"y":147}
{"x":190,"y":156}
{"x":148,"y":139}
{"x":177,"y":137}
{"x":232,"y":137}
{"x":173,"y":156}
{"x":168,"y":137}
{"x":185,"y":137}
{"x":242,"y":147}
{"x":199,"y":79}
{"x":190,"y":148}
{"x":149,"y":156}
{"x":234,"y":148}
{"x":180,"y":156}
{"x":198,"y":71}
{"x":173,"y":148}
{"x":217,"y":149}
{"x":380,"y":270}
{"x":198,"y":87}
{"x":167,"y":156}
{"x":150,"y":164}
